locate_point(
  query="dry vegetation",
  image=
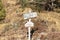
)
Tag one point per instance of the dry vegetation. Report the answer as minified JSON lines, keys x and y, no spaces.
{"x":13,"y":27}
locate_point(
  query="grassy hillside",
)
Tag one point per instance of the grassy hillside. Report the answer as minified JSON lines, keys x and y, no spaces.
{"x":13,"y":27}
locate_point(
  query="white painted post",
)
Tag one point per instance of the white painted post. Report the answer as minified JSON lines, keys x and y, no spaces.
{"x":29,"y":24}
{"x":29,"y":33}
{"x":52,"y":4}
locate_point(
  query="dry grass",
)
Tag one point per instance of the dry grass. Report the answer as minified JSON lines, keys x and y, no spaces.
{"x":44,"y":22}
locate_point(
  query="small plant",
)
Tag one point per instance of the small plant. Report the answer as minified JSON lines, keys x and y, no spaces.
{"x":2,"y":11}
{"x":23,"y":3}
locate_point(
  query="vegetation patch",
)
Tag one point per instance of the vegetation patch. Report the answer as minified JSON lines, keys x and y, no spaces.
{"x":2,"y":11}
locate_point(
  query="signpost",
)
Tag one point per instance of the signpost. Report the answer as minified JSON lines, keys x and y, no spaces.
{"x":52,"y":2}
{"x":29,"y":24}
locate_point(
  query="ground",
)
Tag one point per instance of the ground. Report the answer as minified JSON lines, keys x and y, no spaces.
{"x":13,"y":27}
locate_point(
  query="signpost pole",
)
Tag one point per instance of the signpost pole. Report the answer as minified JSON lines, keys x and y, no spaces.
{"x":29,"y":24}
{"x":29,"y":33}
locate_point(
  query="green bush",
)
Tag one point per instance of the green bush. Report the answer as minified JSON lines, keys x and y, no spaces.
{"x":23,"y":3}
{"x":40,"y":5}
{"x":2,"y":11}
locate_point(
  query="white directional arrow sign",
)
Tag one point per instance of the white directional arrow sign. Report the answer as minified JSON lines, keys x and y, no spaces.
{"x":33,"y":14}
{"x":29,"y":24}
{"x":30,"y":15}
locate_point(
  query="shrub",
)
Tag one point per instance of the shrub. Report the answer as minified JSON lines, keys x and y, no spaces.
{"x":40,"y":5}
{"x":2,"y":11}
{"x":23,"y":3}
